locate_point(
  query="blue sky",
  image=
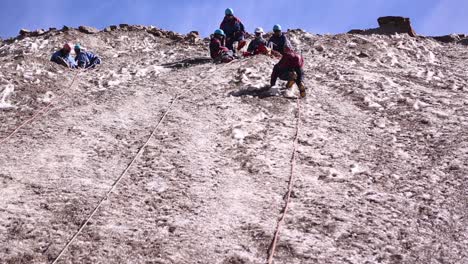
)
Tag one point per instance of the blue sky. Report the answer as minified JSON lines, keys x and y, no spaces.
{"x":429,"y":17}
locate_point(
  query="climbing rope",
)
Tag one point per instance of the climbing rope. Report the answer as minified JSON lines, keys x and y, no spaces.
{"x":273,"y":245}
{"x":135,"y":158}
{"x":43,"y":111}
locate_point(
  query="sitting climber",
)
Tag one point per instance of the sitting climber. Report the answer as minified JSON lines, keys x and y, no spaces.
{"x":85,"y":59}
{"x":257,"y":45}
{"x":63,"y":57}
{"x":278,"y":41}
{"x":234,"y":30}
{"x":289,"y":69}
{"x":218,"y":52}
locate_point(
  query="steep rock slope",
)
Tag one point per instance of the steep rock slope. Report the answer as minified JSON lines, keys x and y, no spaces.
{"x":381,"y":175}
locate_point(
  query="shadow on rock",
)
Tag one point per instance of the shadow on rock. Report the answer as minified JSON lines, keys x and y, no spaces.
{"x":263,"y":92}
{"x":186,"y":63}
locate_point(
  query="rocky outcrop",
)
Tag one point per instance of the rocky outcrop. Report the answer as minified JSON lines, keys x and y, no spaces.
{"x":127,"y":27}
{"x":28,"y":33}
{"x":156,"y":32}
{"x":393,"y":25}
{"x":453,"y":38}
{"x":448,"y":38}
{"x":88,"y":30}
{"x":389,"y":25}
{"x":24,"y":32}
{"x":463,"y":42}
{"x":192,"y":37}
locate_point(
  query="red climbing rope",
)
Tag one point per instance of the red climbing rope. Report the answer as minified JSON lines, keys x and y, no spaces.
{"x":44,"y":110}
{"x":273,"y":245}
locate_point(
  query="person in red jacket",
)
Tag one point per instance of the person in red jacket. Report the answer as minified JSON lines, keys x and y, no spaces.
{"x":218,"y":52}
{"x":289,"y":68}
{"x":234,"y":30}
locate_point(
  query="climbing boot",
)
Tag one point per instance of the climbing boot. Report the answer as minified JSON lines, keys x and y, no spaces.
{"x":302,"y":90}
{"x":291,"y":80}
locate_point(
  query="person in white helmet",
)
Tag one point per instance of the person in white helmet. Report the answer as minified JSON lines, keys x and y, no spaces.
{"x":257,"y":45}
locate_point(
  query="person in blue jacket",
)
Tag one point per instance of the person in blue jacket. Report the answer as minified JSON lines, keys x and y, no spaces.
{"x":85,"y":59}
{"x":234,"y":30}
{"x":278,"y":41}
{"x":63,"y":57}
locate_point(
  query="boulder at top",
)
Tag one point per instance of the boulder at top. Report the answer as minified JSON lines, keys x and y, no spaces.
{"x":389,"y":25}
{"x":394,"y":24}
{"x":29,"y":33}
{"x":24,"y":32}
{"x":88,"y":30}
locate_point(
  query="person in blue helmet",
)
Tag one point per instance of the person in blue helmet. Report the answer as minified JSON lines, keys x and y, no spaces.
{"x":85,"y":59}
{"x":218,"y":51}
{"x":234,"y":30}
{"x":63,"y":57}
{"x":278,"y":41}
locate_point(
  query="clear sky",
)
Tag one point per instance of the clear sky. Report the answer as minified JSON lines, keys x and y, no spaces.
{"x":429,"y":17}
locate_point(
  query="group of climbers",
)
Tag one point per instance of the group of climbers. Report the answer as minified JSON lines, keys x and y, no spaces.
{"x":223,"y":50}
{"x":83,"y":59}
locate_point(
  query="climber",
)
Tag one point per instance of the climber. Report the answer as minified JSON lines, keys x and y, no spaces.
{"x":278,"y":41}
{"x":234,"y":30}
{"x":63,"y":57}
{"x":289,"y":69}
{"x":85,"y":59}
{"x":257,"y":45}
{"x":218,"y":52}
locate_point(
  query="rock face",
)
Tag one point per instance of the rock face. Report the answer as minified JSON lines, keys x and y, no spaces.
{"x":380,"y":175}
{"x":88,"y":30}
{"x":389,"y":25}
